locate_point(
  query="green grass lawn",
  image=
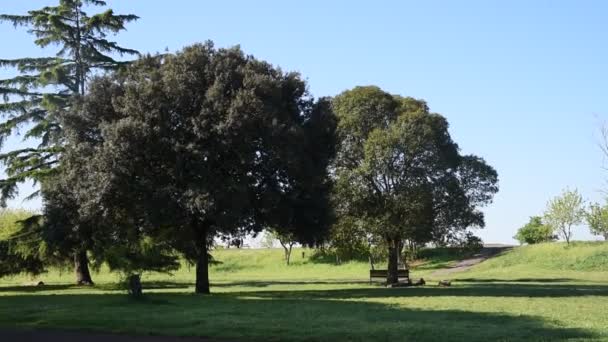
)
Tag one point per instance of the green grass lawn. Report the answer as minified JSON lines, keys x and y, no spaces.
{"x":546,"y":292}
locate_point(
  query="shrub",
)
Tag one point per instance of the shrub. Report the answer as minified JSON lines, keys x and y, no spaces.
{"x":535,"y":231}
{"x":470,"y":244}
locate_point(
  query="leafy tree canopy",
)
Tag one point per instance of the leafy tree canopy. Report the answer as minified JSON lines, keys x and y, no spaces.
{"x":597,"y":219}
{"x":564,"y":212}
{"x":190,"y":146}
{"x":398,"y":170}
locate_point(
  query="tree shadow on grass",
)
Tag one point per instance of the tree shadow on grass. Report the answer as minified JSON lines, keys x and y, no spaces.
{"x":263,"y":283}
{"x":518,"y":280}
{"x":39,"y":288}
{"x":473,"y":287}
{"x":468,"y":290}
{"x":282,"y":318}
{"x":148,"y":285}
{"x":167,"y":285}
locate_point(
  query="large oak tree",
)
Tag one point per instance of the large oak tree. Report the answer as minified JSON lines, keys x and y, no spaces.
{"x":399,"y":173}
{"x":201,"y":143}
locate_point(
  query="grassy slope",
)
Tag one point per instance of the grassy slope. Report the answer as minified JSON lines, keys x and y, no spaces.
{"x":546,"y":292}
{"x":584,"y":261}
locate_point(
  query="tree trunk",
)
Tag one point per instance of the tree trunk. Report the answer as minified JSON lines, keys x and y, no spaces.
{"x":286,"y":254}
{"x":287,"y":246}
{"x":81,"y":268}
{"x":135,"y":288}
{"x":392,"y":276}
{"x":202,"y":267}
{"x":289,"y":253}
{"x":371,"y":258}
{"x":567,"y":235}
{"x":606,"y":236}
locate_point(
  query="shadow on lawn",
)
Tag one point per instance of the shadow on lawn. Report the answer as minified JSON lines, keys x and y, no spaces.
{"x":262,"y":283}
{"x":156,"y":285}
{"x":285,"y":317}
{"x":519,"y":280}
{"x":41,"y":288}
{"x":149,"y":285}
{"x":468,"y":287}
{"x":468,"y":290}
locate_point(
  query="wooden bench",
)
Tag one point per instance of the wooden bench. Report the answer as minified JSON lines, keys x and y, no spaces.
{"x":384,"y":273}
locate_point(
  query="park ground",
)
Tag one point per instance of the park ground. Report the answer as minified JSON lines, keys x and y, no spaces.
{"x":546,"y":292}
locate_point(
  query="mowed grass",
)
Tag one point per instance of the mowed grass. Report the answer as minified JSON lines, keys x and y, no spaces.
{"x":519,"y":295}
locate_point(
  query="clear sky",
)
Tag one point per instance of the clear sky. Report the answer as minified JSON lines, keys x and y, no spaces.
{"x":524,"y":84}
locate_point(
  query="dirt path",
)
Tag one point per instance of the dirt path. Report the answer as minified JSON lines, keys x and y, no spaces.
{"x":61,"y":336}
{"x":487,"y":252}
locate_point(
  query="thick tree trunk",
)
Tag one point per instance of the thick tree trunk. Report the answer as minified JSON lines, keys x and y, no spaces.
{"x":135,"y":288}
{"x":81,"y":268}
{"x":202,"y":267}
{"x":392,"y":276}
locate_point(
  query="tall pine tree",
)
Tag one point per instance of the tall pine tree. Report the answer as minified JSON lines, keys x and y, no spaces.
{"x":45,"y":87}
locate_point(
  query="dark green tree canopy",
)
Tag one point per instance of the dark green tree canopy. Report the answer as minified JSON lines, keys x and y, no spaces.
{"x":204,"y":142}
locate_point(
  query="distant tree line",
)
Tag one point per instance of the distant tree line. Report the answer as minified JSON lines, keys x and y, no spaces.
{"x":144,"y":162}
{"x":563,"y":214}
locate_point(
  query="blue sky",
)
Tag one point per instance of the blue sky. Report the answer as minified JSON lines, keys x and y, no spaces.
{"x":524,"y":84}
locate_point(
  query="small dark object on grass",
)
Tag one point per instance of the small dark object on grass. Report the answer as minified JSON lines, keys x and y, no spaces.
{"x":399,"y":285}
{"x":445,"y":283}
{"x":303,"y":255}
{"x":35,"y":283}
{"x":420,"y":282}
{"x":402,"y":283}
